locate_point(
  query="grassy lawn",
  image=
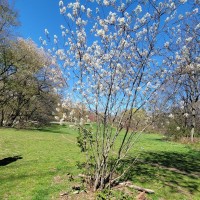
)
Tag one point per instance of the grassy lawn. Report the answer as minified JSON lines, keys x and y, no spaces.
{"x":47,"y":158}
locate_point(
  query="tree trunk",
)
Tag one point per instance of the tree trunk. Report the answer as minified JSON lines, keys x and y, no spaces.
{"x":96,"y":183}
{"x":101,"y":178}
{"x":193,"y":125}
{"x":2,"y":117}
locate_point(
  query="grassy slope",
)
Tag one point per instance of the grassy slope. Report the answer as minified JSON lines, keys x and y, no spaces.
{"x":50,"y":154}
{"x":169,"y":168}
{"x":47,"y":158}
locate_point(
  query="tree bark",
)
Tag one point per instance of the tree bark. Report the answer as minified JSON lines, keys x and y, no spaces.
{"x":193,"y":124}
{"x":2,"y":117}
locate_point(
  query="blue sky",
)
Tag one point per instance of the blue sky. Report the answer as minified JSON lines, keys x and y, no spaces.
{"x":36,"y":15}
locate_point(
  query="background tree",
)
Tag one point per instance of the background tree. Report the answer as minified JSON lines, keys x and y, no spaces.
{"x":26,"y":83}
{"x":8,"y":20}
{"x":28,"y":76}
{"x":139,"y":120}
{"x":184,"y":50}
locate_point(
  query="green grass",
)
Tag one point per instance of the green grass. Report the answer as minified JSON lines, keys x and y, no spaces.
{"x":49,"y":155}
{"x":171,"y":169}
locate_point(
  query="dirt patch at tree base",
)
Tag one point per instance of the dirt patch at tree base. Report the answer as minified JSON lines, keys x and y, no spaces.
{"x":79,"y":196}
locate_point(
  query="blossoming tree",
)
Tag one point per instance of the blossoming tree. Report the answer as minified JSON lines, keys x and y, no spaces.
{"x":112,"y":57}
{"x":183,"y":53}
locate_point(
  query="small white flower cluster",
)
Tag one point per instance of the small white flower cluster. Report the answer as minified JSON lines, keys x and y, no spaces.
{"x":61,"y":54}
{"x":106,"y":2}
{"x":62,"y":7}
{"x":171,"y":116}
{"x":138,"y":9}
{"x":189,"y":39}
{"x":89,"y":12}
{"x":183,"y":1}
{"x":55,"y":39}
{"x":166,"y":45}
{"x":61,"y":4}
{"x":112,"y":17}
{"x":46,"y":31}
{"x":57,"y":118}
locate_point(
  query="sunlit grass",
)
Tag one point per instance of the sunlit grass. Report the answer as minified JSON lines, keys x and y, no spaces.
{"x":45,"y":156}
{"x":49,"y":155}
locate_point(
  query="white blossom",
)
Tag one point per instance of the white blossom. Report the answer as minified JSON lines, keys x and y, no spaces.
{"x":83,"y":8}
{"x":106,"y":2}
{"x":63,"y":10}
{"x":113,"y":18}
{"x":89,"y":12}
{"x":178,"y":40}
{"x":188,"y":39}
{"x":101,"y":32}
{"x":197,"y":26}
{"x":57,"y":118}
{"x":60,"y":3}
{"x":167,"y":19}
{"x":62,"y":27}
{"x":166,"y":45}
{"x":121,"y":20}
{"x":71,"y":113}
{"x":196,"y":10}
{"x":55,"y":41}
{"x":58,"y":109}
{"x":44,"y":43}
{"x":180,"y":16}
{"x":138,"y":9}
{"x":81,"y":122}
{"x":63,"y":33}
{"x":183,"y":1}
{"x":172,"y":5}
{"x":46,"y":31}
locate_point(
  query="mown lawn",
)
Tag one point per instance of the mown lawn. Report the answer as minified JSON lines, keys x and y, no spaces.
{"x":46,"y":159}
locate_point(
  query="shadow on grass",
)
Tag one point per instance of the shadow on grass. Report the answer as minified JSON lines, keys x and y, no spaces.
{"x":54,"y":129}
{"x":179,"y":171}
{"x":188,"y":162}
{"x":9,"y":160}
